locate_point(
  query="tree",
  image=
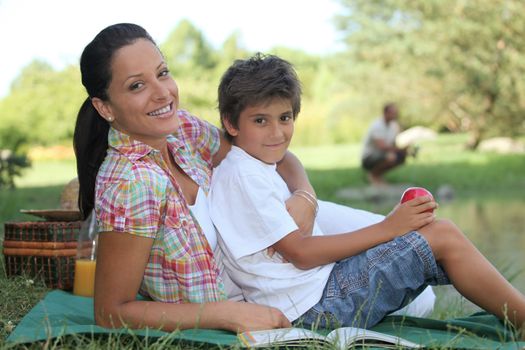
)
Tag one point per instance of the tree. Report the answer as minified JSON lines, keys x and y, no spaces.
{"x":466,"y":57}
{"x":192,"y":61}
{"x":46,"y":101}
{"x":186,"y":50}
{"x":231,"y":50}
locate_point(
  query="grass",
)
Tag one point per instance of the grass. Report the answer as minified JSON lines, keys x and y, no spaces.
{"x":39,"y":188}
{"x":441,"y":161}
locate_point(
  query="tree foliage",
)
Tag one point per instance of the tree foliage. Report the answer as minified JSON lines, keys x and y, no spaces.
{"x":41,"y":107}
{"x":448,"y":64}
{"x":459,"y":62}
{"x":186,"y":50}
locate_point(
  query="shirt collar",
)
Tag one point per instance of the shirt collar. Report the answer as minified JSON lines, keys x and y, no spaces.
{"x":241,"y":153}
{"x":134,"y":149}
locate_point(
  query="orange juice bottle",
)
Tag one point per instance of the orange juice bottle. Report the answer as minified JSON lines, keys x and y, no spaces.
{"x":84,"y":277}
{"x":85,"y":263}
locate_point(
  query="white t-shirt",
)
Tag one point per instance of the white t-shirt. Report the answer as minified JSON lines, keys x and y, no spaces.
{"x":380,"y":130}
{"x":247,"y":206}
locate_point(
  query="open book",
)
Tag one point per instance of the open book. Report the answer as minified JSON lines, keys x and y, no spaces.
{"x":340,"y":338}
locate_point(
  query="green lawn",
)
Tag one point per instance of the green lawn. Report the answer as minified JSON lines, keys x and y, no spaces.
{"x":39,"y":188}
{"x":442,"y":161}
{"x":439,"y":162}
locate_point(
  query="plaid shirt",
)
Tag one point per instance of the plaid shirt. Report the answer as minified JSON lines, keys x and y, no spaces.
{"x":134,"y":195}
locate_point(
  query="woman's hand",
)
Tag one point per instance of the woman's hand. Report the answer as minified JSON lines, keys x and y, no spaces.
{"x":410,"y":216}
{"x":242,"y":316}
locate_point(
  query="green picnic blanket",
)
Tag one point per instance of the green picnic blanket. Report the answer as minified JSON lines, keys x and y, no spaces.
{"x":61,"y":313}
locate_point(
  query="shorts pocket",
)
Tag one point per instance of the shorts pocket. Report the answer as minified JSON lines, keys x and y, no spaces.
{"x":348,"y":276}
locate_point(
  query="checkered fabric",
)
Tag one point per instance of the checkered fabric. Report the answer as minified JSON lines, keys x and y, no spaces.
{"x":136,"y":194}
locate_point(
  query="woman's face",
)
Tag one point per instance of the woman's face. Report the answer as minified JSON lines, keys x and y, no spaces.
{"x":143,"y":97}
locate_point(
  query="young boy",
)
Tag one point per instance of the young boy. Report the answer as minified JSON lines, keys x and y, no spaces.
{"x":349,"y":279}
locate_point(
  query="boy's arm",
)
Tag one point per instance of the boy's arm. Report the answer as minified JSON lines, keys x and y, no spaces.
{"x":293,"y":173}
{"x":311,"y":251}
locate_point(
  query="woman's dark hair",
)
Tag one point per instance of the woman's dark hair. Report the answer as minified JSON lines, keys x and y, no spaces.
{"x":255,"y":80}
{"x":90,"y":140}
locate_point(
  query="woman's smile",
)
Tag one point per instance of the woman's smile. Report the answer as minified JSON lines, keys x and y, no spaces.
{"x":164,"y":112}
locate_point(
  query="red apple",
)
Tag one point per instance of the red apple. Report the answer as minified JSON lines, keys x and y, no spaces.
{"x":413,"y":192}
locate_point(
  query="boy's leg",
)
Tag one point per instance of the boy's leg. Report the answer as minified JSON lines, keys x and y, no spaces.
{"x":472,"y":274}
{"x":421,"y":306}
{"x":364,"y":288}
{"x":334,"y":218}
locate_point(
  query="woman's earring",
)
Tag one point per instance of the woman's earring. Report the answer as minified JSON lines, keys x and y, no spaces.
{"x":110,"y":119}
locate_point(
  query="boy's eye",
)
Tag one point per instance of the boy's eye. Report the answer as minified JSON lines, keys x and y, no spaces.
{"x":259,"y":120}
{"x":286,"y":118}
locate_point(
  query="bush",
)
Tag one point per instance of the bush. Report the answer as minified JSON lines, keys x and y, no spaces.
{"x":11,"y":165}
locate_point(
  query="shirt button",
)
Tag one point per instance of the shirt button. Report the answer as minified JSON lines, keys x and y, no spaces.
{"x":184,"y":223}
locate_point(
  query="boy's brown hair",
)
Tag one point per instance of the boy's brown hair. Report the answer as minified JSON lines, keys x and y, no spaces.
{"x":257,"y":80}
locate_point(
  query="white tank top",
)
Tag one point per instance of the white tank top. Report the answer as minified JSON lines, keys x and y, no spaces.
{"x":201,"y":213}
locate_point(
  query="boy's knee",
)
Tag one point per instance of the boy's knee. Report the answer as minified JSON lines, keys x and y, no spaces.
{"x":443,"y":235}
{"x":441,"y":227}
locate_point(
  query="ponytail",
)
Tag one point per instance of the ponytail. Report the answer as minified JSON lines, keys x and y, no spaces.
{"x":90,"y":139}
{"x":90,"y":142}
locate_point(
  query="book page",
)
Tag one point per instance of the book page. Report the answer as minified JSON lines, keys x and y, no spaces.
{"x":346,"y":336}
{"x":288,"y":336}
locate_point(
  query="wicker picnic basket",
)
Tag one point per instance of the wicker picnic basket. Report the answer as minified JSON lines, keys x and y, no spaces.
{"x":44,"y":249}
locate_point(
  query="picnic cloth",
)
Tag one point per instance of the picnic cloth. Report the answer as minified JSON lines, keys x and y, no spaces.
{"x":61,"y":313}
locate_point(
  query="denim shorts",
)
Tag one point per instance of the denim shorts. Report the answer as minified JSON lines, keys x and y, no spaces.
{"x":363,"y":289}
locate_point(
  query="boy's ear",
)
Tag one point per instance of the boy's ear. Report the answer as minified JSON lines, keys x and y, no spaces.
{"x":103,"y":109}
{"x":233,"y":131}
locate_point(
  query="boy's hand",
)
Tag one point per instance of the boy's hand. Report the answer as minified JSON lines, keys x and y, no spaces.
{"x":410,"y":216}
{"x":302,"y":213}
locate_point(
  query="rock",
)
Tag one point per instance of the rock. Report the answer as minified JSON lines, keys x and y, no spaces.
{"x":414,"y":135}
{"x":502,"y":145}
{"x":445,"y":193}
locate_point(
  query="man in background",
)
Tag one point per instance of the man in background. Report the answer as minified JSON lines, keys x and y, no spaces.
{"x":380,"y":153}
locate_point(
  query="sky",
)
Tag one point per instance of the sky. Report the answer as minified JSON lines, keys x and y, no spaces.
{"x":56,"y":31}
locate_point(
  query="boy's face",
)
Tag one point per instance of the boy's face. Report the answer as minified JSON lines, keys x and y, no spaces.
{"x":264,"y":131}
